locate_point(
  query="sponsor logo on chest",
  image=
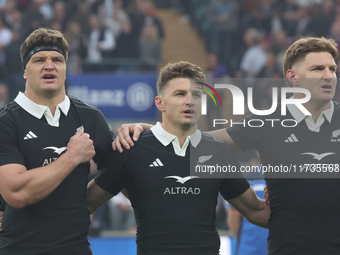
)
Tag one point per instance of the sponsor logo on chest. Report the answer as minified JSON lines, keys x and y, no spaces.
{"x":180,"y":190}
{"x":56,"y":150}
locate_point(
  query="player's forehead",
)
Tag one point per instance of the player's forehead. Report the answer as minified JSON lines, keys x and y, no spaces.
{"x":317,"y":59}
{"x":178,"y":83}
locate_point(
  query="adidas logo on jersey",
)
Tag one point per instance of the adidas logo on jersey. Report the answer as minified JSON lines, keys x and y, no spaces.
{"x":156,"y":163}
{"x":30,"y":135}
{"x":291,"y":139}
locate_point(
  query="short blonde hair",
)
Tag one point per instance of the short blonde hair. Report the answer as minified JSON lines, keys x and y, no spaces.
{"x":303,"y":46}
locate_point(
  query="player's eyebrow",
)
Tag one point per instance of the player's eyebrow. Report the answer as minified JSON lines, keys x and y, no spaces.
{"x":38,"y":57}
{"x":323,"y":66}
{"x":196,"y":91}
{"x":180,"y":90}
{"x":58,"y":58}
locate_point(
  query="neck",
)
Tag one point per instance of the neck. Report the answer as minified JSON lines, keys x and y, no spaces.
{"x":181,"y":132}
{"x":316,"y":109}
{"x":49,"y":101}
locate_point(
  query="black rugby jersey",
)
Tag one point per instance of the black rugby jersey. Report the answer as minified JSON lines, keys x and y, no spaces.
{"x":59,"y":223}
{"x":305,"y":206}
{"x":175,"y":212}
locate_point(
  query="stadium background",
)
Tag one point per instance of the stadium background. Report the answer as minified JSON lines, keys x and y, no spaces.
{"x":118,"y":46}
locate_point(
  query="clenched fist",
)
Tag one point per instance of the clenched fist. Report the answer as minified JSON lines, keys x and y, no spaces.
{"x":81,"y":147}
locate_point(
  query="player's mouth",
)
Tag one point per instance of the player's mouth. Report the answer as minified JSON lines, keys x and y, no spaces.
{"x":189,"y":112}
{"x":49,"y":77}
{"x":327,"y":87}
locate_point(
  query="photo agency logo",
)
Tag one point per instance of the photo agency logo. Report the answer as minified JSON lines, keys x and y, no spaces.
{"x":238,"y":104}
{"x":207,"y":91}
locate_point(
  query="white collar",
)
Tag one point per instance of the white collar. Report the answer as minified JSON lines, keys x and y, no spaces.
{"x":299,"y":116}
{"x":166,"y":138}
{"x":39,"y":110}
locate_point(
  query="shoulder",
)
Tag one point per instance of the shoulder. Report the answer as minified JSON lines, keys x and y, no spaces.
{"x":336,"y":107}
{"x":147,"y":138}
{"x":82,"y":105}
{"x":10,"y":118}
{"x":275,"y":114}
{"x":7,"y":108}
{"x":147,"y":134}
{"x":147,"y":141}
{"x":208,"y":141}
{"x":83,"y":108}
{"x":206,"y":138}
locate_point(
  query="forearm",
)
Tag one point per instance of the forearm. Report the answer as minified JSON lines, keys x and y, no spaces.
{"x":21,"y":187}
{"x":145,"y":126}
{"x":223,"y":135}
{"x":96,"y":196}
{"x":259,"y":216}
{"x":254,"y":209}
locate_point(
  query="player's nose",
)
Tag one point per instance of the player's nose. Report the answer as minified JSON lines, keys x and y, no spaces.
{"x":328,"y":74}
{"x":49,"y":64}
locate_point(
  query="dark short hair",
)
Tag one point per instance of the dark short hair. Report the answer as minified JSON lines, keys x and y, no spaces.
{"x":44,"y":37}
{"x":182,"y":69}
{"x":303,"y":46}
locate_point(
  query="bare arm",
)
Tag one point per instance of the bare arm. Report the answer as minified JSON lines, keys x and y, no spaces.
{"x":266,"y":195}
{"x":123,"y":135}
{"x":233,"y":220}
{"x":96,"y":196}
{"x":254,"y":209}
{"x":222,"y":134}
{"x":20,"y":187}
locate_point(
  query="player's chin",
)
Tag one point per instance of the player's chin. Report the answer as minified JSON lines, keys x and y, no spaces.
{"x":326,"y":97}
{"x":192,"y":121}
{"x":50,"y":85}
{"x":51,"y":89}
{"x":185,"y":122}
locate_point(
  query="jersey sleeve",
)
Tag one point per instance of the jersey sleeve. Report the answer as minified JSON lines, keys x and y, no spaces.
{"x":231,"y":188}
{"x":2,"y":204}
{"x":9,"y":149}
{"x":243,"y":135}
{"x":236,"y":184}
{"x":114,"y":175}
{"x":103,"y":140}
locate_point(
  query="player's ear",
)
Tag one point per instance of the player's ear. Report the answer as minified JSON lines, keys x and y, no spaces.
{"x":291,"y":77}
{"x":24,"y":75}
{"x":159,"y":103}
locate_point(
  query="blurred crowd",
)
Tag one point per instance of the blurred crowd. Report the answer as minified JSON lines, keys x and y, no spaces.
{"x":248,"y":38}
{"x":251,"y":36}
{"x":104,"y":36}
